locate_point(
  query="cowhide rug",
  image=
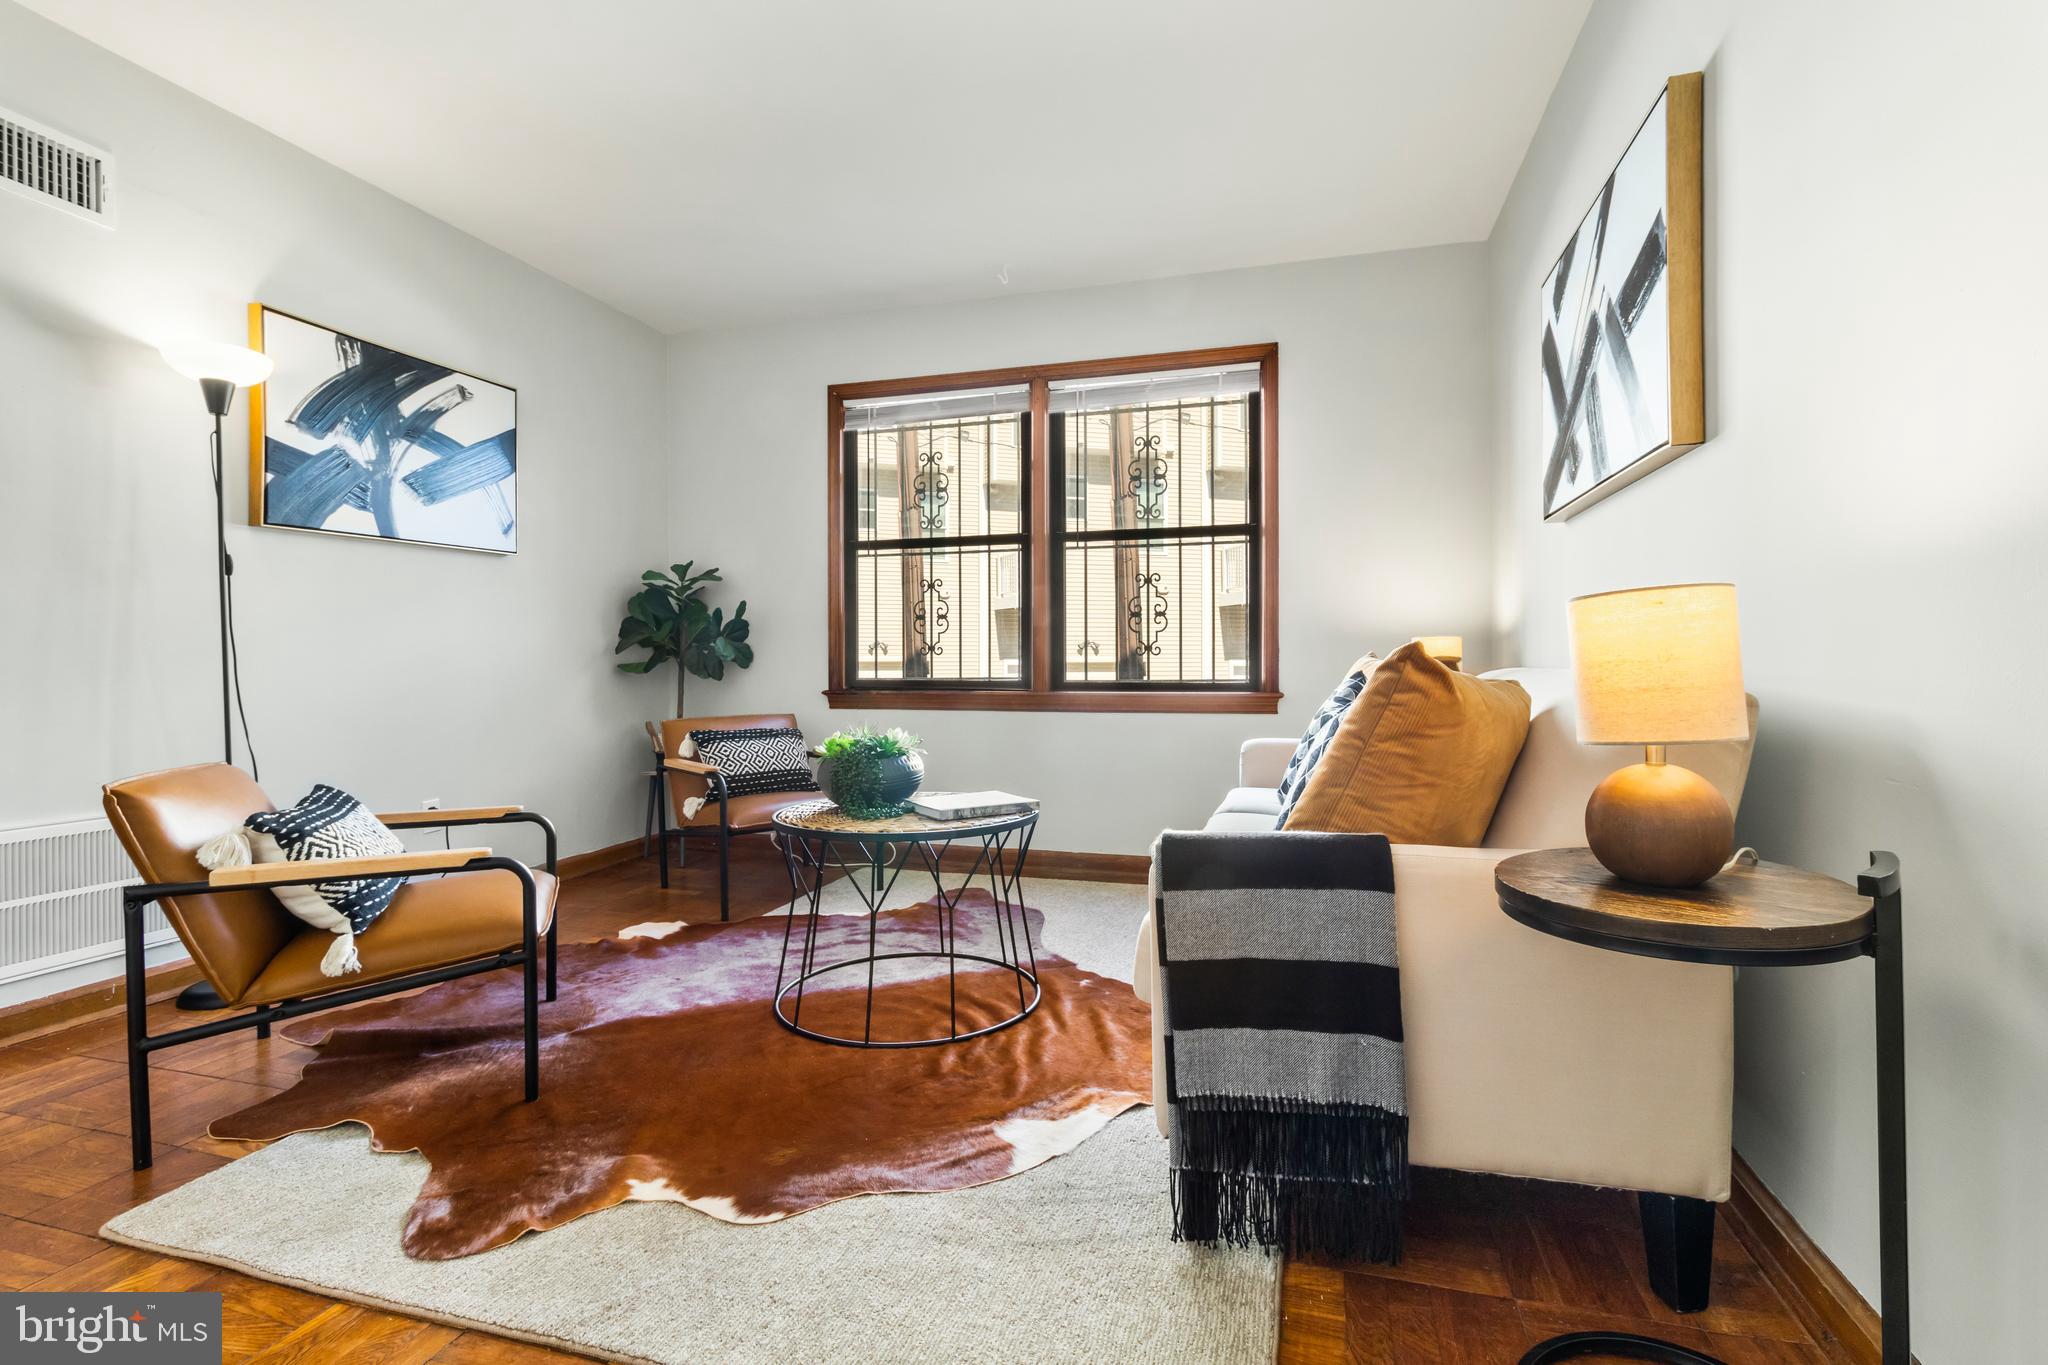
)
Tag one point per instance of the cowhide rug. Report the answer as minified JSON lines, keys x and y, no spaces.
{"x":664,"y":1076}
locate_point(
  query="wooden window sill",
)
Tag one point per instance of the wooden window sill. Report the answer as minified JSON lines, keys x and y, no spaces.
{"x":1016,"y":699}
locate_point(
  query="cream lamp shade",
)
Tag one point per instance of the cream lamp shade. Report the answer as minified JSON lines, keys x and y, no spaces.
{"x":1449,"y":647}
{"x":202,"y":360}
{"x":1659,"y":665}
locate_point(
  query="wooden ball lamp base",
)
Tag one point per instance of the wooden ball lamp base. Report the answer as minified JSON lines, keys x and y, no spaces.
{"x":1657,"y":824}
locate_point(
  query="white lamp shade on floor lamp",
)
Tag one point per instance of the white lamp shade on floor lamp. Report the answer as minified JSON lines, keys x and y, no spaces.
{"x":203,"y":360}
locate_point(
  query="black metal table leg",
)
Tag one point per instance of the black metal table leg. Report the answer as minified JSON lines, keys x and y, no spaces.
{"x":1881,"y":883}
{"x":1884,"y":941}
{"x":881,"y":857}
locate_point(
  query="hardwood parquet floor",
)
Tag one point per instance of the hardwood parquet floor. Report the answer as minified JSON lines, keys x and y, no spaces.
{"x":1493,"y":1265}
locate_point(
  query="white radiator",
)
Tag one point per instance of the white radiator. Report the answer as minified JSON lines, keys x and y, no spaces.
{"x":60,"y":899}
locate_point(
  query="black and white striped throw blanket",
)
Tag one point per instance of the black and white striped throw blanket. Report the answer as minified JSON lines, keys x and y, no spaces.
{"x":1284,"y":1072}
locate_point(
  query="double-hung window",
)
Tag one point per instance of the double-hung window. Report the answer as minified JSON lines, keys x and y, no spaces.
{"x":934,"y":565}
{"x":1087,"y":536}
{"x":1155,"y":586}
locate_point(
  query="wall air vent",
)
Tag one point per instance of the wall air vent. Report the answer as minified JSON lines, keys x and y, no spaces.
{"x":54,"y":169}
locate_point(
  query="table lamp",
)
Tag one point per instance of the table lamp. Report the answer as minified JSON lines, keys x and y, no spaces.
{"x":1658,"y":666}
{"x":1448,"y":650}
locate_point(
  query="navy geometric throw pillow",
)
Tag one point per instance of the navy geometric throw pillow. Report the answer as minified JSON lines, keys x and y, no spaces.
{"x":1315,"y":742}
{"x":330,"y":823}
{"x":764,"y":759}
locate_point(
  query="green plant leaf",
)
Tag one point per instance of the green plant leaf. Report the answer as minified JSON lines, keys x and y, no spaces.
{"x":669,"y":619}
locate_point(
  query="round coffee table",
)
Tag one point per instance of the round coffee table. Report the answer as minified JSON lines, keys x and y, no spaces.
{"x":817,"y":837}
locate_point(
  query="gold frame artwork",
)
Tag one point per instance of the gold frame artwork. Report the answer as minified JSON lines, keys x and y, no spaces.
{"x":1683,"y":106}
{"x":258,"y":450}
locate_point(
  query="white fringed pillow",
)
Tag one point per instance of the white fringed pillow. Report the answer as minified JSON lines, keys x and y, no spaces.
{"x":328,"y":823}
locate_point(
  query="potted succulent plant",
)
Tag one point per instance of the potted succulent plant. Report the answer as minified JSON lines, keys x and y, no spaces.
{"x":870,"y":773}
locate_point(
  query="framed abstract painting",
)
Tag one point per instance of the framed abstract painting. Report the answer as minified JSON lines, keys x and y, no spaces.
{"x":355,"y":439}
{"x":1624,"y":387}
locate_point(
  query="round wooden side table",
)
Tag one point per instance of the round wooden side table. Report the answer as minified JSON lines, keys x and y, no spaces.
{"x":1753,"y":914}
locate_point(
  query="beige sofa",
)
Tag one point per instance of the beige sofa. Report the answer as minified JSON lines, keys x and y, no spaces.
{"x":1528,"y":1055}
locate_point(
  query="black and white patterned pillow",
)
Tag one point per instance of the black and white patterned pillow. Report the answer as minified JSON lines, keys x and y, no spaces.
{"x":1322,"y":728}
{"x":329,"y":823}
{"x":768,"y":759}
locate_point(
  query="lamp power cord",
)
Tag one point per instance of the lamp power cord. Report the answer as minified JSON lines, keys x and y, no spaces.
{"x":234,"y":651}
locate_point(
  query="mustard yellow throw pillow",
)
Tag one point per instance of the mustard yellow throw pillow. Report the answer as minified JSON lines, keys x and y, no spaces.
{"x":1420,"y":757}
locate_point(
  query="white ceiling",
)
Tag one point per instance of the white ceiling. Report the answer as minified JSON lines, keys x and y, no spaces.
{"x":704,"y":164}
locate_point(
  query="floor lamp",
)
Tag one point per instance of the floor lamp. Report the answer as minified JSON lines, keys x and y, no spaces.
{"x":220,"y":369}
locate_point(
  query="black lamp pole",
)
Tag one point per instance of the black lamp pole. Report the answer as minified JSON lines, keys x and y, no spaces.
{"x":220,"y":395}
{"x":220,"y":370}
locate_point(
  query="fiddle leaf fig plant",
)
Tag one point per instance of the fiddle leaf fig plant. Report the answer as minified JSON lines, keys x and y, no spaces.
{"x":669,"y":619}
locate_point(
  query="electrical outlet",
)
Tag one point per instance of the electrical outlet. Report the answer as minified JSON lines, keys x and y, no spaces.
{"x":431,"y":803}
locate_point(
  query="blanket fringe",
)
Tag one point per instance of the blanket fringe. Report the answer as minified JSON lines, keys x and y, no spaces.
{"x":1329,"y":1179}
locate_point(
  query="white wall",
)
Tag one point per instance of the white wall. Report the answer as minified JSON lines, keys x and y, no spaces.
{"x":1875,"y":482}
{"x":1384,"y":515}
{"x":398,"y":672}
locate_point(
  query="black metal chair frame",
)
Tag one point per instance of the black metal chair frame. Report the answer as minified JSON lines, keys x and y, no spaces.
{"x":722,"y":834}
{"x":655,"y":777}
{"x":141,"y":1043}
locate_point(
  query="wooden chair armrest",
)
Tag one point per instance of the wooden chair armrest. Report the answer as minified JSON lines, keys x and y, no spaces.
{"x":338,"y":869}
{"x":398,"y":819}
{"x":688,"y":765}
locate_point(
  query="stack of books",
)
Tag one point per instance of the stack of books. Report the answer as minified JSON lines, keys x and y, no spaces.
{"x":970,"y":805}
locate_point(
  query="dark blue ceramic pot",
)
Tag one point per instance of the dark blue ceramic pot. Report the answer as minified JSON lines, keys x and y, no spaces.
{"x":871,"y":786}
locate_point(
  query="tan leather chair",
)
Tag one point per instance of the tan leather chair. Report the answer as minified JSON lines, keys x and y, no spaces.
{"x":256,"y":954}
{"x":721,"y":817}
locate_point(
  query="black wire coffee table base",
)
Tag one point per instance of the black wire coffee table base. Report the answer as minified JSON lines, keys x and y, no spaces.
{"x":816,"y":839}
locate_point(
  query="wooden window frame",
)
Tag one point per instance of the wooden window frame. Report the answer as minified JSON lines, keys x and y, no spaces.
{"x":1037,"y":692}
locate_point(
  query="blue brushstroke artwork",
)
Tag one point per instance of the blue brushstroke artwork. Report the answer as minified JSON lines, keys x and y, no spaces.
{"x":363,"y":440}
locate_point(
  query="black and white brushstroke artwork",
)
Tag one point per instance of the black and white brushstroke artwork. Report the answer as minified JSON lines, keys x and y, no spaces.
{"x":361,"y":440}
{"x":1606,"y":330}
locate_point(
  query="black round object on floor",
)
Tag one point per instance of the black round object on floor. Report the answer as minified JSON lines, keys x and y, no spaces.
{"x":200,"y":996}
{"x":1627,"y":1345}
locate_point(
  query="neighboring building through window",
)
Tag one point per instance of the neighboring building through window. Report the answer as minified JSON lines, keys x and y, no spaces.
{"x":1087,"y":536}
{"x":1151,"y":555}
{"x":936,"y":555}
